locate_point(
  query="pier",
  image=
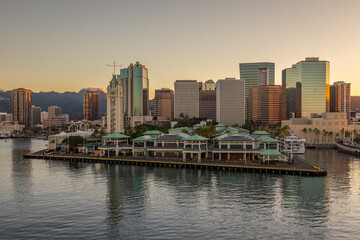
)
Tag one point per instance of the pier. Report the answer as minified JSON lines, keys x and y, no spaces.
{"x":299,"y":167}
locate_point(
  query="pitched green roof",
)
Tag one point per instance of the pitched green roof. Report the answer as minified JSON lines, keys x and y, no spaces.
{"x":153,"y":132}
{"x":142,"y":139}
{"x":261,"y":133}
{"x":270,"y":153}
{"x":88,"y":145}
{"x":116,"y":135}
{"x":198,"y":125}
{"x":269,"y":140}
{"x":219,"y":125}
{"x":195,"y":138}
{"x":233,"y":129}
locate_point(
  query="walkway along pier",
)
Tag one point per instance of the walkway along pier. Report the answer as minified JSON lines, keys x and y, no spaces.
{"x":300,"y":167}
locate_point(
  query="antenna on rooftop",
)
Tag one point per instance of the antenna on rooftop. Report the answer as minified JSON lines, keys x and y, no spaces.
{"x":110,"y":65}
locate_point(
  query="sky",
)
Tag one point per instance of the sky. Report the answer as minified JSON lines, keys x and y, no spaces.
{"x":48,"y":45}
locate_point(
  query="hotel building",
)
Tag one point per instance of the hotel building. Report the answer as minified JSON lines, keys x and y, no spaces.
{"x":186,"y":99}
{"x":91,"y":105}
{"x":164,"y":104}
{"x":340,"y":99}
{"x":21,"y":106}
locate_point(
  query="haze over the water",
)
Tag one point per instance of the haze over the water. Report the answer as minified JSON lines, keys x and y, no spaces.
{"x":64,"y":45}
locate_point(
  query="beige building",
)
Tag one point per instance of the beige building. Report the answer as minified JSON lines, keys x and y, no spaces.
{"x":21,"y":106}
{"x":330,"y":122}
{"x":207,"y":104}
{"x":55,"y":121}
{"x":164,"y":104}
{"x":186,"y":99}
{"x":114,"y":106}
{"x":54,"y":111}
{"x":340,"y":99}
{"x":230,"y":101}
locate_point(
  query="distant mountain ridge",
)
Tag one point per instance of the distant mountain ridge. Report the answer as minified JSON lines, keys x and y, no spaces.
{"x":70,"y":102}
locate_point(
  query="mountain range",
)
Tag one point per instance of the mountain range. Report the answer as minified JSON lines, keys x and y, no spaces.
{"x":70,"y":102}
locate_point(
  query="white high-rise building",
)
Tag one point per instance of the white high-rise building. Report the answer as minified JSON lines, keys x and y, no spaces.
{"x":114,"y":106}
{"x":230,"y":101}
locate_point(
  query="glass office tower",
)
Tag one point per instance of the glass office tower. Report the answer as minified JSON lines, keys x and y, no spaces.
{"x":314,"y":76}
{"x":289,"y":77}
{"x":135,"y":83}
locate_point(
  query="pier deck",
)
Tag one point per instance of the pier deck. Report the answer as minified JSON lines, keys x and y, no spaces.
{"x":300,"y":167}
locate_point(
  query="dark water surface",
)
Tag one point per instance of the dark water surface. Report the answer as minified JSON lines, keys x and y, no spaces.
{"x":60,"y":200}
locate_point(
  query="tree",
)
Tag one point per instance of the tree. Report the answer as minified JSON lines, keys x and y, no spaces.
{"x":331,"y":134}
{"x":325,"y":134}
{"x":206,"y":131}
{"x":74,"y":142}
{"x":317,"y":134}
{"x":310,"y":133}
{"x":305,"y":132}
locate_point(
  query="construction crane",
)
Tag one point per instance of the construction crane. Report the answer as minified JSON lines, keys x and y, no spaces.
{"x":110,"y":65}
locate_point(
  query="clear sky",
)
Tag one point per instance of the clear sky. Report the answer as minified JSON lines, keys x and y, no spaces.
{"x":64,"y":45}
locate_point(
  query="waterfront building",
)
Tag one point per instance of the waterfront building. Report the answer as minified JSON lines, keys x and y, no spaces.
{"x":55,"y":141}
{"x":114,"y":106}
{"x":21,"y":106}
{"x":8,"y":128}
{"x":164,"y":104}
{"x":207,"y":103}
{"x":35,"y":115}
{"x":186,"y":99}
{"x":230,"y":101}
{"x":115,"y":144}
{"x":321,"y":130}
{"x":5,"y":117}
{"x":340,"y":99}
{"x":44,"y":115}
{"x":267,"y":104}
{"x":58,"y":121}
{"x":135,"y":84}
{"x":314,"y":76}
{"x":91,"y":105}
{"x":54,"y":111}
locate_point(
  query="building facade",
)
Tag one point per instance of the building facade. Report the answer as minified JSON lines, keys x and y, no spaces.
{"x":35,"y":115}
{"x":186,"y":98}
{"x":91,"y":105}
{"x":164,"y":104}
{"x":314,"y":76}
{"x":54,"y":111}
{"x":114,"y":106}
{"x":207,"y":104}
{"x":208,"y":85}
{"x":230,"y":101}
{"x":135,"y":86}
{"x":340,"y":99}
{"x":267,"y":104}
{"x":289,"y":77}
{"x":21,"y":106}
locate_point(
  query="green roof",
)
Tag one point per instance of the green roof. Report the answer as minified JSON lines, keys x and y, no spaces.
{"x":88,"y":145}
{"x":198,"y":125}
{"x":153,"y":132}
{"x":261,"y":133}
{"x":116,"y":135}
{"x":269,"y":140}
{"x":195,"y":138}
{"x":143,"y":139}
{"x":270,"y":153}
{"x":233,"y":129}
{"x":219,"y":125}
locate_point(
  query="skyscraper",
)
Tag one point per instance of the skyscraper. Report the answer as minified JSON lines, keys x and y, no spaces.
{"x":267,"y":104}
{"x":289,"y":81}
{"x":164,"y":104}
{"x":135,"y":84}
{"x":35,"y":115}
{"x":255,"y":74}
{"x":91,"y":105}
{"x":186,"y":98}
{"x":114,"y":106}
{"x":207,"y":101}
{"x":340,"y":99}
{"x":314,"y":76}
{"x":289,"y":77}
{"x":21,"y":106}
{"x":230,"y":101}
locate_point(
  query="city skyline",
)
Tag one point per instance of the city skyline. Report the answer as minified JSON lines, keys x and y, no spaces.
{"x":71,"y":43}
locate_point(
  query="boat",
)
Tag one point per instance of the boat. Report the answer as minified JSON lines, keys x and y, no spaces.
{"x":292,"y":144}
{"x":347,"y":147}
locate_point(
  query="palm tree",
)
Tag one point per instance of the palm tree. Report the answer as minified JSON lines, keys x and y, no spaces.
{"x":325,"y":134}
{"x":331,"y":134}
{"x":337,"y":136}
{"x":310,"y":133}
{"x":342,"y":133}
{"x":317,"y":133}
{"x":305,"y":132}
{"x":347,"y":135}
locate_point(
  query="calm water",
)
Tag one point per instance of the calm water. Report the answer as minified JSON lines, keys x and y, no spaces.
{"x":48,"y":199}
